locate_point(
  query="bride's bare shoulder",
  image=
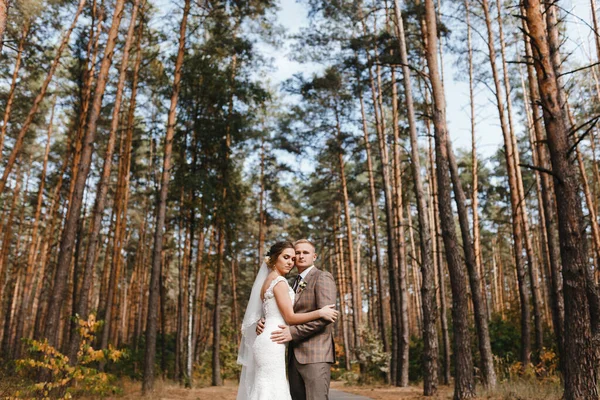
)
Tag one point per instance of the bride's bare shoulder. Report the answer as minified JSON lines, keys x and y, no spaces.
{"x":265,"y":286}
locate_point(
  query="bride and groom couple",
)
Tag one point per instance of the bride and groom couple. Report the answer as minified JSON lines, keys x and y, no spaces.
{"x":277,"y":314}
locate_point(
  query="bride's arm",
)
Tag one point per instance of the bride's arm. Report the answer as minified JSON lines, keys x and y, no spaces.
{"x":286,"y":308}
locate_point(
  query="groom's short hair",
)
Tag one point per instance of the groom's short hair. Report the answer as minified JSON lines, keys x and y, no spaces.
{"x":299,"y":241}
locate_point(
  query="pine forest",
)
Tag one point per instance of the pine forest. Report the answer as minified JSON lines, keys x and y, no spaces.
{"x":443,"y":156}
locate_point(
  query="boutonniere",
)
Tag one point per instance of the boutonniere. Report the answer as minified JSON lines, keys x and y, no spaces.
{"x":301,"y":286}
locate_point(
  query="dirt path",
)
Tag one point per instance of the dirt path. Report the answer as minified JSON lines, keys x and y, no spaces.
{"x":170,"y":391}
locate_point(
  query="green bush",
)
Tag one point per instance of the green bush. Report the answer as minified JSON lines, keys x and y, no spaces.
{"x":374,"y":359}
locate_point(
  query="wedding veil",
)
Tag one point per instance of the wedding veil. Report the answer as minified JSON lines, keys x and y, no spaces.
{"x":252,"y":315}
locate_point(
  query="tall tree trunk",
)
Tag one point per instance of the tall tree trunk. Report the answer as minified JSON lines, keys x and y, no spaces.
{"x":25,"y":302}
{"x":474,"y":159}
{"x":388,"y":204}
{"x":375,"y":224}
{"x":101,"y":192}
{"x":38,"y":99}
{"x":514,"y":195}
{"x":439,"y":264}
{"x":338,"y":248}
{"x":70,"y":229}
{"x":558,"y":311}
{"x":225,"y":154}
{"x":151,"y":325}
{"x":430,"y":340}
{"x":479,"y":308}
{"x":397,"y":190}
{"x":471,"y":255}
{"x":581,"y":356}
{"x":392,"y":258}
{"x":536,"y":296}
{"x":7,"y":238}
{"x":464,"y":385}
{"x":354,"y":284}
{"x":261,"y":208}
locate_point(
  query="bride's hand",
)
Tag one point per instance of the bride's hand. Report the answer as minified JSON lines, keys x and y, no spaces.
{"x":260,"y":326}
{"x":329,"y":313}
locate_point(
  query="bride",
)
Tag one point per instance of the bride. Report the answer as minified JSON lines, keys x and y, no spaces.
{"x":263,"y":361}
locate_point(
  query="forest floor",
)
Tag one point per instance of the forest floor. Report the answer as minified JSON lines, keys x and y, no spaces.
{"x":505,"y":391}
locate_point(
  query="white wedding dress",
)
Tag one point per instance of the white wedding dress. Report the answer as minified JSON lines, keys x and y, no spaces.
{"x":270,"y":381}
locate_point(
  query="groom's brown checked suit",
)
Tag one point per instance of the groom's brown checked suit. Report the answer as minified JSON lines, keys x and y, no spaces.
{"x":311,"y":351}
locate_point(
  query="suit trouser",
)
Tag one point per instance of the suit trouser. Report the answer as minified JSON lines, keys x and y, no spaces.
{"x":308,"y":381}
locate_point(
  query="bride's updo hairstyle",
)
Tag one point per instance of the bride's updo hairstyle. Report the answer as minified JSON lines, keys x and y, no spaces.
{"x":276,"y":250}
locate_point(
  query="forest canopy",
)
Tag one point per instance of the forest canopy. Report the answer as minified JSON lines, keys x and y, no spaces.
{"x":441,"y":155}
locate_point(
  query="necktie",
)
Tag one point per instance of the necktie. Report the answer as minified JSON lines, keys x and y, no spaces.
{"x":297,"y":282}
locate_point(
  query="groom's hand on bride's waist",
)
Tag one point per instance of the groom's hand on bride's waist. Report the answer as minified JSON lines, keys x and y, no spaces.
{"x":260,"y":326}
{"x":282,"y":336}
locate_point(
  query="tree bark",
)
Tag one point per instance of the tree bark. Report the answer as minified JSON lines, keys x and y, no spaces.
{"x":474,"y":158}
{"x":398,"y":201}
{"x":354,"y":284}
{"x":439,"y":263}
{"x":536,"y":295}
{"x":101,"y":192}
{"x":374,"y":213}
{"x":479,"y":309}
{"x":70,"y":228}
{"x":430,"y":340}
{"x":514,"y":195}
{"x":338,"y":248}
{"x":151,"y":325}
{"x":464,"y":385}
{"x":550,"y":219}
{"x":581,"y":357}
{"x":25,"y":302}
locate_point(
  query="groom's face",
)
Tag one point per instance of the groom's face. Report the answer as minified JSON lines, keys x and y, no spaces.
{"x":305,"y":256}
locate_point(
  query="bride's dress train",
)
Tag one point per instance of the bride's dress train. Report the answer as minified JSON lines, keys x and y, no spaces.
{"x":270,"y":381}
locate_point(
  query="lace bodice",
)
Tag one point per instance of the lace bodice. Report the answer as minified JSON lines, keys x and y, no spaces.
{"x":270,"y":308}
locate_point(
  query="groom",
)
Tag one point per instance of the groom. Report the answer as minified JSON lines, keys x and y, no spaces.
{"x":311,"y":350}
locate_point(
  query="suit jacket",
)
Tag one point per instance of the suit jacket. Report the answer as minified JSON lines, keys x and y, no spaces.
{"x":312,"y":342}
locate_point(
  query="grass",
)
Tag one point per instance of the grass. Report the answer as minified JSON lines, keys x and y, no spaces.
{"x":516,"y":389}
{"x":521,"y":389}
